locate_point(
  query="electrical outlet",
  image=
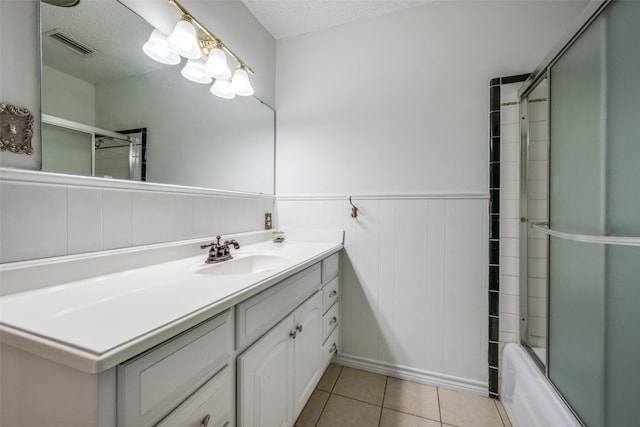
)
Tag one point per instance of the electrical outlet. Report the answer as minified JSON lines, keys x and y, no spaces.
{"x":267,"y":221}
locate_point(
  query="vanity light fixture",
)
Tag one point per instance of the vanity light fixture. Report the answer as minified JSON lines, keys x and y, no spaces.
{"x":206,"y":54}
{"x":194,"y":71}
{"x":222,"y":88}
{"x":158,"y":49}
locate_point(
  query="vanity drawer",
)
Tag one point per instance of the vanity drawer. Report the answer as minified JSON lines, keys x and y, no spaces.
{"x":330,"y":267}
{"x":330,"y":320}
{"x":160,"y":378}
{"x":261,"y":312}
{"x":210,"y":405}
{"x":330,"y":348}
{"x":330,"y":294}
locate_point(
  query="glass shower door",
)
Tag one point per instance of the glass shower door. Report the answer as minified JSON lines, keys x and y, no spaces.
{"x":594,"y":214}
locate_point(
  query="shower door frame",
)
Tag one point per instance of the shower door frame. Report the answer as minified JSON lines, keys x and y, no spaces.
{"x":524,"y":223}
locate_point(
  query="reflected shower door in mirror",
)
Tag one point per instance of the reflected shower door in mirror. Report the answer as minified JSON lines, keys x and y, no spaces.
{"x":82,"y":150}
{"x":95,"y":74}
{"x":535,"y":147}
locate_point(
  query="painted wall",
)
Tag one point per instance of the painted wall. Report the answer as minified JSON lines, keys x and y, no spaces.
{"x":398,"y":104}
{"x":20,"y":70}
{"x":68,"y":97}
{"x":394,"y":111}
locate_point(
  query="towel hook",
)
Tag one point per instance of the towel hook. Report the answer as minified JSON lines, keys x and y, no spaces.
{"x":354,"y":210}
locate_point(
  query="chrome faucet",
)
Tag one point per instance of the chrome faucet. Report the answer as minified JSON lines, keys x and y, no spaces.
{"x":220,"y":252}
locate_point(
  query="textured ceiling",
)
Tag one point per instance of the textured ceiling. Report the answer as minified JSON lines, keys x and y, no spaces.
{"x":108,"y":27}
{"x":288,"y":18}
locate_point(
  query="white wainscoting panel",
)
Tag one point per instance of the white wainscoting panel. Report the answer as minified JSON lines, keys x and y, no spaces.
{"x":48,"y":215}
{"x":414,"y":281}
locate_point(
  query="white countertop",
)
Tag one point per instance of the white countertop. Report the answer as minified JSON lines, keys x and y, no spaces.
{"x":94,"y":324}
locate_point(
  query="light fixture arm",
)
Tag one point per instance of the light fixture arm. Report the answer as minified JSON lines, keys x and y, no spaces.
{"x":213,"y":38}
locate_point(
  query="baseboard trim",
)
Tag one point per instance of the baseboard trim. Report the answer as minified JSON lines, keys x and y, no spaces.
{"x":413,"y":374}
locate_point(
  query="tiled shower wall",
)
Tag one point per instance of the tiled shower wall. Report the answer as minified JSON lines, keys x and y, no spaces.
{"x":504,"y":214}
{"x":414,"y":282}
{"x":537,"y":193}
{"x":42,"y":219}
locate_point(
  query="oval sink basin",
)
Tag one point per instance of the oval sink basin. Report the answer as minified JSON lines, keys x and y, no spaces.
{"x":244,"y":264}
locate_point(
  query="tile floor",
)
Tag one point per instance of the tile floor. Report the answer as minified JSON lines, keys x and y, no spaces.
{"x":351,"y":397}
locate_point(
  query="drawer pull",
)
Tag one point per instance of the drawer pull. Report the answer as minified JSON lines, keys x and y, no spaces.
{"x":299,"y":328}
{"x":333,"y":320}
{"x":205,"y":421}
{"x":227,"y":424}
{"x":293,"y":334}
{"x":334,"y":348}
{"x":333,"y":293}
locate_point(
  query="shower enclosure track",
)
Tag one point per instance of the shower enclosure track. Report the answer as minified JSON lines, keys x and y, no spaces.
{"x":543,"y":227}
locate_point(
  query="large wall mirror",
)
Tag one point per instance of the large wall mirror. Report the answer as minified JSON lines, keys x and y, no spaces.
{"x":113,"y":112}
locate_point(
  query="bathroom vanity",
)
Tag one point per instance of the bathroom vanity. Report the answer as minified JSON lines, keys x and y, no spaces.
{"x":180,"y":343}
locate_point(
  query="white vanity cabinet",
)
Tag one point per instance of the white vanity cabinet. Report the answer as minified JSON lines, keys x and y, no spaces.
{"x":253,"y":361}
{"x":330,"y":308}
{"x":192,"y":373}
{"x":278,"y":373}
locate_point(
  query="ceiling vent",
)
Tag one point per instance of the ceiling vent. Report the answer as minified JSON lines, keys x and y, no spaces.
{"x":67,"y":41}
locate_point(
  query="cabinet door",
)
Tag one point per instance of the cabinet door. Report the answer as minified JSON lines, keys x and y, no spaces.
{"x":265,"y":379}
{"x":308,"y":350}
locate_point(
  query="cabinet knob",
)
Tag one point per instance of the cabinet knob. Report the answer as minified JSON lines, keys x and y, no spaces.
{"x":205,"y":421}
{"x":333,"y":320}
{"x":333,"y":293}
{"x":334,"y":348}
{"x":293,"y":334}
{"x":299,"y":328}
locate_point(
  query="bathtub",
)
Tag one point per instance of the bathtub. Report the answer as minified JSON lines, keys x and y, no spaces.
{"x":527,"y":396}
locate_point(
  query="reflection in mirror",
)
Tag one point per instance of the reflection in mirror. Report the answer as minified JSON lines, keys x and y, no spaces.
{"x":192,"y":138}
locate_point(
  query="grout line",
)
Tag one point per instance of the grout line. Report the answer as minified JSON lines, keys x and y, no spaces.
{"x":337,"y":379}
{"x":495,"y":401}
{"x":357,"y":400}
{"x":439,"y":410}
{"x":384,"y":394}
{"x":322,"y":411}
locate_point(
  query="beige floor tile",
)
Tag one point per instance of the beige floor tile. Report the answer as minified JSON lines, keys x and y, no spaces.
{"x":468,"y":410}
{"x":412,"y":398}
{"x":503,"y":414}
{"x":361,"y":385}
{"x":312,"y":410}
{"x":329,"y":377}
{"x":391,"y":418}
{"x":341,"y":412}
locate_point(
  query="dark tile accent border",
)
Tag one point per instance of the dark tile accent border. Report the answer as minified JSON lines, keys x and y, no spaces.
{"x":494,"y":226}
